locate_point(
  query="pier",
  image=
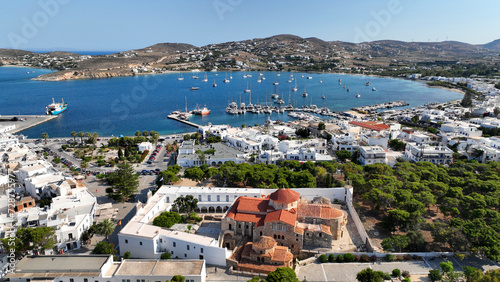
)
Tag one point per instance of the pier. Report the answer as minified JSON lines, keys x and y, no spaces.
{"x":23,"y":122}
{"x":388,"y":105}
{"x":176,"y":117}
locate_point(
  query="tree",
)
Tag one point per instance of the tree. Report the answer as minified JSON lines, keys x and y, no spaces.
{"x":84,"y":166}
{"x":166,"y":177}
{"x":88,"y":135}
{"x":415,"y":118}
{"x":302,"y":132}
{"x":36,"y":239}
{"x":185,"y":204}
{"x":104,"y":247}
{"x":343,"y":154}
{"x":124,"y":182}
{"x":282,"y":274}
{"x":467,"y":100}
{"x":395,"y":242}
{"x":137,"y":133}
{"x":321,"y":126}
{"x":368,"y":275}
{"x":45,"y":135}
{"x":166,"y":255}
{"x":105,"y":228}
{"x":194,"y":173}
{"x":145,"y":133}
{"x":472,"y":273}
{"x":178,"y":278}
{"x":81,"y":135}
{"x":74,"y":134}
{"x":167,"y":219}
{"x":120,"y":153}
{"x":126,"y":255}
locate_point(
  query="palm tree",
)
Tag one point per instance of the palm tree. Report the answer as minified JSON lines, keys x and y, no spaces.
{"x":137,"y":133}
{"x":84,"y":166}
{"x":45,"y":136}
{"x":105,"y":228}
{"x":94,"y":137}
{"x":88,"y":135}
{"x":81,"y":135}
{"x":145,"y":133}
{"x":74,"y":134}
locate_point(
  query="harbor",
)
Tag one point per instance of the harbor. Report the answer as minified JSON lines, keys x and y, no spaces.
{"x":177,"y":117}
{"x":18,"y":123}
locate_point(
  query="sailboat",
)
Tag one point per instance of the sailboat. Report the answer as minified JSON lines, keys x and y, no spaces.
{"x":357,"y":95}
{"x":259,"y":80}
{"x":230,"y":75}
{"x":276,"y":83}
{"x":340,"y":81}
{"x":367,"y":83}
{"x":245,"y":74}
{"x":226,"y":80}
{"x":323,"y":97}
{"x":295,"y":88}
{"x":186,"y":114}
{"x":248,"y":89}
{"x":305,"y":92}
{"x":180,"y":77}
{"x":347,"y":88}
{"x":205,"y":79}
{"x":215,"y":84}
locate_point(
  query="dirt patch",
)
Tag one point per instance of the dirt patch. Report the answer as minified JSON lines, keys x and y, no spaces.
{"x":191,"y":183}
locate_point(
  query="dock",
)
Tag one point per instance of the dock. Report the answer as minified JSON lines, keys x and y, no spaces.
{"x":23,"y":122}
{"x":388,"y":105}
{"x":176,"y":117}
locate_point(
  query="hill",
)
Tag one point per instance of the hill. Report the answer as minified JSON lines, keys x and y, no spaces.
{"x":493,"y":45}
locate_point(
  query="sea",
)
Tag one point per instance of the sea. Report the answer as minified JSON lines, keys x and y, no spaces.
{"x":122,"y":105}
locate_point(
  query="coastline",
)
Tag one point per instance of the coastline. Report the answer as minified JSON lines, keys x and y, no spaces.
{"x":450,"y":89}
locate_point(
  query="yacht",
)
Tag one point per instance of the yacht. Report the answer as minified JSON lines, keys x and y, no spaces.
{"x":305,"y":92}
{"x":180,"y":77}
{"x":279,"y":101}
{"x":205,"y":79}
{"x":295,"y":88}
{"x":248,"y":89}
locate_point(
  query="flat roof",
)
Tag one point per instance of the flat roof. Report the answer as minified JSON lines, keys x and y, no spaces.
{"x":160,"y":267}
{"x":62,"y":264}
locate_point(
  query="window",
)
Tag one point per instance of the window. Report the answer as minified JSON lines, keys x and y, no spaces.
{"x":209,"y":198}
{"x":201,"y":257}
{"x":85,"y":280}
{"x":227,"y":198}
{"x":168,"y":199}
{"x":140,"y":243}
{"x":260,"y":233}
{"x":320,"y":234}
{"x":218,"y":198}
{"x":73,"y":280}
{"x":161,"y":240}
{"x":187,"y":247}
{"x":199,"y":198}
{"x":185,"y":255}
{"x":174,"y":244}
{"x":126,"y":241}
{"x":239,"y":226}
{"x":201,"y":250}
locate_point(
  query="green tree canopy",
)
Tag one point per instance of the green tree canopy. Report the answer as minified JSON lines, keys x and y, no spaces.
{"x":124,"y":182}
{"x":104,"y":247}
{"x":185,"y":204}
{"x":282,"y":274}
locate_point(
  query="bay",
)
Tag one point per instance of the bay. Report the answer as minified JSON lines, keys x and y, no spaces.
{"x":120,"y":106}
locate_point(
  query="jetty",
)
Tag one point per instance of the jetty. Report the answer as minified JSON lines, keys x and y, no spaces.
{"x":374,"y":108}
{"x":177,"y":118}
{"x":23,"y":122}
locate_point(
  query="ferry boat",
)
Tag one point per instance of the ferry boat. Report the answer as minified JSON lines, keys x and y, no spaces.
{"x":56,"y":108}
{"x":201,"y":112}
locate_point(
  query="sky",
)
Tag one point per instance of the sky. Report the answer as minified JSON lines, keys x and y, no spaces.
{"x":118,"y":25}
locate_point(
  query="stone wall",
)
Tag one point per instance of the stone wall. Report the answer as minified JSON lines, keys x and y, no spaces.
{"x":287,"y":237}
{"x":317,"y":238}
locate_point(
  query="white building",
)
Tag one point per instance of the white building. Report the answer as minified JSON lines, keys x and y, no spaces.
{"x":419,"y":152}
{"x":101,"y":268}
{"x":143,"y":146}
{"x":189,"y":157}
{"x":372,"y":155}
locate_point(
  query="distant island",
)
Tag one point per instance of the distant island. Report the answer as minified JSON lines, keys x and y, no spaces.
{"x":276,"y":53}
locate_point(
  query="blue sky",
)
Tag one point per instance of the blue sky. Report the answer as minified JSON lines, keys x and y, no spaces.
{"x":126,"y":24}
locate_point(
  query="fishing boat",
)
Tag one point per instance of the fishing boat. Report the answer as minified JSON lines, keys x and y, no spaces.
{"x":309,"y":77}
{"x":202,"y":112}
{"x":194,"y":88}
{"x":56,"y":108}
{"x":357,"y":95}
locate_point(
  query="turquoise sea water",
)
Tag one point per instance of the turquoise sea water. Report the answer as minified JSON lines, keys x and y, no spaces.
{"x":123,"y":105}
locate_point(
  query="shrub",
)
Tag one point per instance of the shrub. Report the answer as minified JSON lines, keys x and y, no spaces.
{"x":390,"y":257}
{"x":331,"y":258}
{"x":356,"y":258}
{"x":406,"y":274}
{"x":386,"y":276}
{"x":167,"y":219}
{"x":416,"y":257}
{"x":407,"y":279}
{"x":399,"y":258}
{"x":435,"y":275}
{"x":460,"y":256}
{"x":323,"y":258}
{"x":407,"y":257}
{"x":144,"y":155}
{"x":396,"y":272}
{"x":166,"y":256}
{"x":364,"y":258}
{"x":374,"y":258}
{"x":126,"y":255}
{"x":349,"y":257}
{"x":339,"y":258}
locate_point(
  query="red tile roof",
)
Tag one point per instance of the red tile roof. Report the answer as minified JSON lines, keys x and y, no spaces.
{"x":282,"y":254}
{"x":283,"y":216}
{"x":326,"y":229}
{"x":371,"y":125}
{"x":284,"y":196}
{"x":265,"y":243}
{"x":252,"y":205}
{"x":319,"y":211}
